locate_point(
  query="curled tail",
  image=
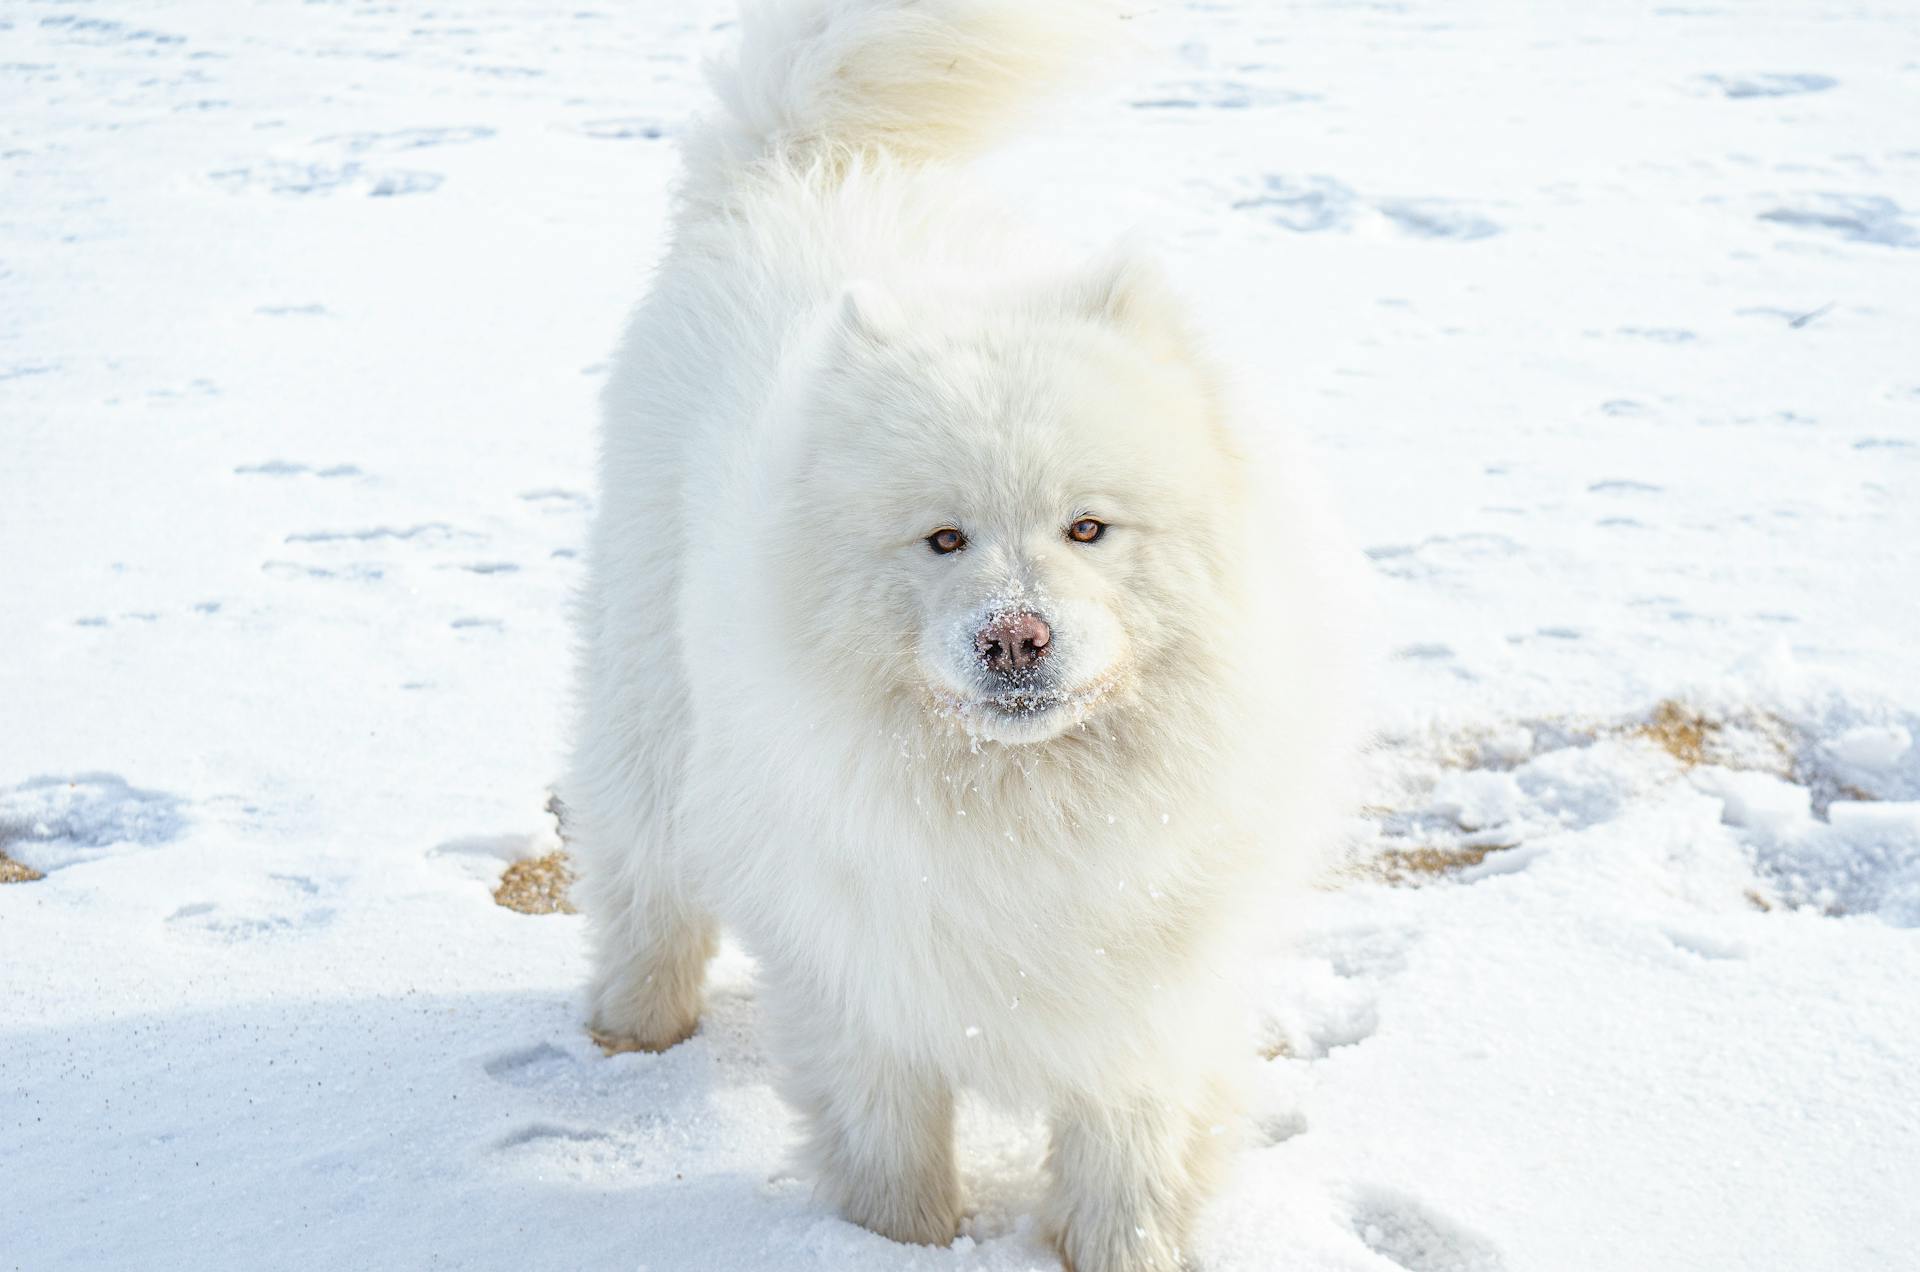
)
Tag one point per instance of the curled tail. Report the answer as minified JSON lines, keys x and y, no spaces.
{"x":917,"y":79}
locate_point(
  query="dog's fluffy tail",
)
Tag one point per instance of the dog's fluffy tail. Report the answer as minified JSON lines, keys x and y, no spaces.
{"x":918,"y":80}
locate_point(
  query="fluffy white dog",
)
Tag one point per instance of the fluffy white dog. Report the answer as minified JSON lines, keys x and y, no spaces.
{"x":936,"y":641}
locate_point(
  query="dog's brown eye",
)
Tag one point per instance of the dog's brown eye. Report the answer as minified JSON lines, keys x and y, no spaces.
{"x":946,"y":539}
{"x":1086,"y":530}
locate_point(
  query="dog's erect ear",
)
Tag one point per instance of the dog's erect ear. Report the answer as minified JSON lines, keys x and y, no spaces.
{"x":1128,"y":290}
{"x":869,"y":311}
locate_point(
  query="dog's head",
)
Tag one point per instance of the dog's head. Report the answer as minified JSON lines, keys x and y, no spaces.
{"x":1016,"y":514}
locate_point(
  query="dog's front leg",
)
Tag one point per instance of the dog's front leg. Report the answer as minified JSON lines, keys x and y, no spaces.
{"x":879,"y":1130}
{"x":1128,"y":1175}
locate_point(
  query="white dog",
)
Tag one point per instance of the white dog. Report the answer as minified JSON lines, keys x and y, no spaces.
{"x":931,"y":644}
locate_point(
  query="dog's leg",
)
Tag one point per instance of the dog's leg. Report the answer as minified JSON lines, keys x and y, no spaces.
{"x":879,"y":1131}
{"x":1128,"y":1175}
{"x":650,"y":961}
{"x":651,"y":936}
{"x":651,"y":942}
{"x":881,"y":1138}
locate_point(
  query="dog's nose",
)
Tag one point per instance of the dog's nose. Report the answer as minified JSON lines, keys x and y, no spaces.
{"x":1012,"y":643}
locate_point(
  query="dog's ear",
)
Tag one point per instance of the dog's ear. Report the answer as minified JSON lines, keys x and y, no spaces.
{"x":869,"y":311}
{"x":1129,"y":290}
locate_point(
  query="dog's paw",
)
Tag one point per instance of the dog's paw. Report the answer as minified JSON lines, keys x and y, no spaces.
{"x":1118,"y":1247}
{"x":614,"y":1041}
{"x":931,"y":1218}
{"x":631,"y":1010}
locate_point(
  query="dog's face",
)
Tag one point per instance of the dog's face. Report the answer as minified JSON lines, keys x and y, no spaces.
{"x":1017,"y":516}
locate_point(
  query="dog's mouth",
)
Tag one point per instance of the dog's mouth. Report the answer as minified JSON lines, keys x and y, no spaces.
{"x":1025,"y":714}
{"x":1024,"y":702}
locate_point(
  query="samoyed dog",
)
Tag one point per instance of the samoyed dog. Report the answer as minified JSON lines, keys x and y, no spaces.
{"x":941,"y":640}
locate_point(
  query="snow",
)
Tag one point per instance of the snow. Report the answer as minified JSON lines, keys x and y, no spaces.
{"x":1602,"y":318}
{"x":1874,"y":747}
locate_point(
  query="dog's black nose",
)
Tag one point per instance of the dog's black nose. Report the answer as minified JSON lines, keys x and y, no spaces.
{"x":1012,"y":643}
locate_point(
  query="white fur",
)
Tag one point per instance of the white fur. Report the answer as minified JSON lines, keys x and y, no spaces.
{"x":783,"y":724}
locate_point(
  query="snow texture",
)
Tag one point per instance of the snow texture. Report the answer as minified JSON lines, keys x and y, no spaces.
{"x":1602,"y":317}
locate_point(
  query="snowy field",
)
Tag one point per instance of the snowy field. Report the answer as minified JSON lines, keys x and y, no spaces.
{"x":1605,"y":319}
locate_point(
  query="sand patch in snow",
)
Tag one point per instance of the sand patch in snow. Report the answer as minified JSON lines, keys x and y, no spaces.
{"x":537,"y":885}
{"x":1443,"y":803}
{"x":1748,"y":741}
{"x":12,"y":871}
{"x":1414,"y":866}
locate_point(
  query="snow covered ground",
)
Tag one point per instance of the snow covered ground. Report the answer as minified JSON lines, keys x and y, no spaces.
{"x":1605,"y":317}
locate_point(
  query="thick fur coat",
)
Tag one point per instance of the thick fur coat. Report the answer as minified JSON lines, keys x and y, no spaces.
{"x":940,"y":640}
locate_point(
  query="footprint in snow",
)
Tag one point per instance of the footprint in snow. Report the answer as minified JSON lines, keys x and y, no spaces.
{"x":193,"y":390}
{"x":1305,"y":205}
{"x":533,"y":1066}
{"x":629,"y":128}
{"x":52,"y":822}
{"x":1796,"y":319}
{"x":1436,"y":219}
{"x":103,"y":31}
{"x":276,"y":909}
{"x":1856,"y":218}
{"x":1411,"y":1235}
{"x":1659,"y":335}
{"x":545,"y":1150}
{"x":1220,"y":95}
{"x":430,"y":532}
{"x":356,"y":572}
{"x":407,"y":139}
{"x":535,"y":1132}
{"x":293,"y":468}
{"x":1312,"y":205}
{"x":1440,"y":555}
{"x":288,"y":178}
{"x":1769,"y":84}
{"x":209,"y":919}
{"x":505,"y":72}
{"x":555,"y":497}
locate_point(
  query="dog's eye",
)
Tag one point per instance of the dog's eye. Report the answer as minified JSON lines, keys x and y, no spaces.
{"x":1086,"y":530}
{"x":946,"y":539}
